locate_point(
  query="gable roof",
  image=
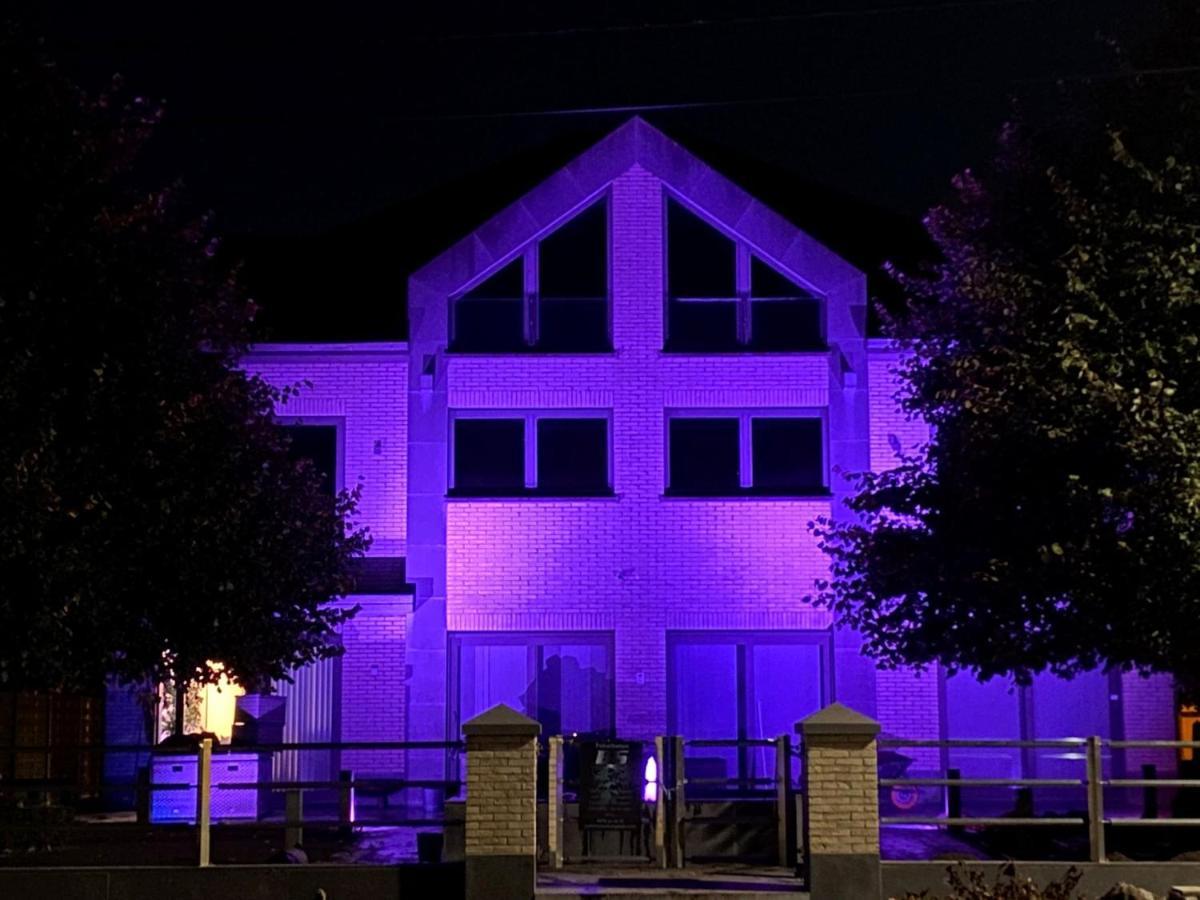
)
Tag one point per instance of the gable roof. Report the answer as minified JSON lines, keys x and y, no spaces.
{"x":636,"y":143}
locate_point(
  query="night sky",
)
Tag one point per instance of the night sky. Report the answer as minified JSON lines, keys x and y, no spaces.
{"x":344,"y":146}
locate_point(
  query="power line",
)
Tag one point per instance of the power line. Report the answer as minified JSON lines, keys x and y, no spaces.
{"x":634,"y":108}
{"x":249,"y":37}
{"x":690,"y":24}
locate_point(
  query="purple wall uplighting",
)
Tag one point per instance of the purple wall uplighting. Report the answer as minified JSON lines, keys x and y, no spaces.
{"x":630,"y":605}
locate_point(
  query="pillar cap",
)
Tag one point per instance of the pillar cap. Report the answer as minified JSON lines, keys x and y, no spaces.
{"x":501,"y":721}
{"x":837,"y":718}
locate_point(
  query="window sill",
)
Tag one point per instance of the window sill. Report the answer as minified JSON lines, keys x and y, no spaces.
{"x":743,"y":351}
{"x":527,"y":352}
{"x":753,"y":494}
{"x":528,"y":495}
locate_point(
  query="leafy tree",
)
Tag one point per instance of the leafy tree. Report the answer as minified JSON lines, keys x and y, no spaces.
{"x":1053,"y":519}
{"x":150,"y":517}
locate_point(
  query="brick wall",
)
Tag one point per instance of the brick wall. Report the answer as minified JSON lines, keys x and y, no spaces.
{"x":908,"y":704}
{"x":1148,"y":707}
{"x":637,"y":564}
{"x":363,"y":389}
{"x":365,"y":392}
{"x":501,"y":810}
{"x":909,"y":707}
{"x":889,"y":424}
{"x":842,"y":794}
{"x":374,"y":693}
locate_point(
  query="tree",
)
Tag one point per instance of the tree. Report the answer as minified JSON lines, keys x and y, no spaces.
{"x":151,"y":520}
{"x":1053,"y":519}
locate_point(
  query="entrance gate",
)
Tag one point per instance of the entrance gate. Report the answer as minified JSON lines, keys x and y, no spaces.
{"x":665,"y":803}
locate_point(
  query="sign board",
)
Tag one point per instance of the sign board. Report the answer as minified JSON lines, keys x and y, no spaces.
{"x":610,"y":775}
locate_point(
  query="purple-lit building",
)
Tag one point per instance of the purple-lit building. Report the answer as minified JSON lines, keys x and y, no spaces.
{"x":590,"y":471}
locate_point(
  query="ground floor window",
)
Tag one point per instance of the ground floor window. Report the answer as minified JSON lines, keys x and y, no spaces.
{"x":565,"y":681}
{"x":1048,"y":709}
{"x":744,"y":685}
{"x":311,"y":715}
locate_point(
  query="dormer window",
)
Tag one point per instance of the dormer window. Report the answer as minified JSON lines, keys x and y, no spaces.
{"x":553,"y":298}
{"x":722,"y":297}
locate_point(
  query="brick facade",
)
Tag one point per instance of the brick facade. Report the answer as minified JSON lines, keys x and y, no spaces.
{"x":638,"y":565}
{"x":362,"y":390}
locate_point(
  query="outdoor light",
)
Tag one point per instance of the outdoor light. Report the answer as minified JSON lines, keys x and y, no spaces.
{"x":650,"y":791}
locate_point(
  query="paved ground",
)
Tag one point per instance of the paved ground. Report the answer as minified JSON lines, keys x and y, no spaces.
{"x":710,"y":882}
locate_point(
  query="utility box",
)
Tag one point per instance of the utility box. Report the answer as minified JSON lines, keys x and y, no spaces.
{"x":178,"y":804}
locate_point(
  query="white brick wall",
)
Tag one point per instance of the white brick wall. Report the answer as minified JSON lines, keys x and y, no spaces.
{"x":638,"y":564}
{"x":364,"y":388}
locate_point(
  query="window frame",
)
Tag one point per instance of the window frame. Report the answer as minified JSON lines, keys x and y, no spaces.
{"x":338,"y":423}
{"x":529,"y":419}
{"x":534,"y":642}
{"x":744,"y":641}
{"x":531,"y":295}
{"x":744,"y":253}
{"x":745,"y":417}
{"x":1026,"y":696}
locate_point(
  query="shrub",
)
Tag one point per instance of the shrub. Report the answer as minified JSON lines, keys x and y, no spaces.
{"x":969,"y":884}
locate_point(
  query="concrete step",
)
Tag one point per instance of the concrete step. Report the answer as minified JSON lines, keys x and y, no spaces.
{"x":642,"y":894}
{"x":706,"y":883}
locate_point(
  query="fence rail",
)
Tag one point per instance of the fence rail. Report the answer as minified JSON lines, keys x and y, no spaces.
{"x":1093,"y":781}
{"x":186,"y":793}
{"x":764,"y":771}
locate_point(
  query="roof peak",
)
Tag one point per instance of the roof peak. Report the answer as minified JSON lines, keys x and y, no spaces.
{"x":634,"y":143}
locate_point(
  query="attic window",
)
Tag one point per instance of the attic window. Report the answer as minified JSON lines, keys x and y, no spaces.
{"x":783,"y":316}
{"x":489,"y":318}
{"x":722,"y":297}
{"x":572,"y":285}
{"x":551,"y":299}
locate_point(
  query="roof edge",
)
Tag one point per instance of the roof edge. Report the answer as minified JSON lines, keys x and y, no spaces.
{"x":635,"y":142}
{"x":270,"y":348}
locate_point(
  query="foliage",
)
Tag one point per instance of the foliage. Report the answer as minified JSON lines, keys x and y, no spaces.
{"x":1053,"y":519}
{"x":969,"y":884}
{"x":150,"y":516}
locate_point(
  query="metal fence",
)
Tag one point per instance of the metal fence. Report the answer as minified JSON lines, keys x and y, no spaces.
{"x":690,"y":798}
{"x":1106,"y":801}
{"x":231,"y":788}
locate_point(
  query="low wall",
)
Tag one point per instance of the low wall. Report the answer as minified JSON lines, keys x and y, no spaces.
{"x":249,"y":882}
{"x":901,"y":877}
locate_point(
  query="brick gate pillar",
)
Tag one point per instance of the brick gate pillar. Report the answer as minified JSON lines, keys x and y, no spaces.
{"x":841,"y":803}
{"x":501,"y":824}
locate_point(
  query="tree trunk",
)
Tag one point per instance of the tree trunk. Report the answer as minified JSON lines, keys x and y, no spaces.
{"x":180,"y":701}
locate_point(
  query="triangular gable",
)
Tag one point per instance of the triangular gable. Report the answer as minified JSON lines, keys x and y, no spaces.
{"x":700,"y":186}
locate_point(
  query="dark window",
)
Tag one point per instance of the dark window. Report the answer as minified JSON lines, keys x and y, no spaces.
{"x":783,"y":316}
{"x":562,"y":309}
{"x":702,"y":325}
{"x":701,"y":261}
{"x":787,"y":454}
{"x":565,"y":681}
{"x":489,"y":456}
{"x":489,"y":318}
{"x":702,"y":309}
{"x":748,"y":686}
{"x":721,"y":297}
{"x":703,"y":456}
{"x":317,"y":443}
{"x":573,"y":259}
{"x":573,"y":285}
{"x":572,"y":456}
{"x":1050,"y":708}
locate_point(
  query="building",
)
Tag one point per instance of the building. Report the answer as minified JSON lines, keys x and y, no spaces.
{"x":590,"y":471}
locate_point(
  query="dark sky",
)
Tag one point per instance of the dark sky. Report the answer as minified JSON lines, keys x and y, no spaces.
{"x":291,"y":123}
